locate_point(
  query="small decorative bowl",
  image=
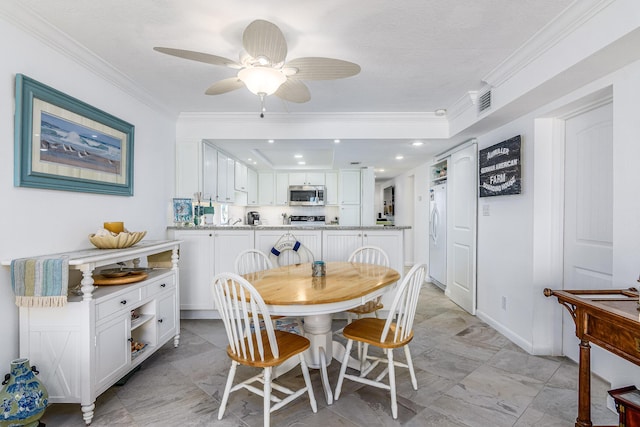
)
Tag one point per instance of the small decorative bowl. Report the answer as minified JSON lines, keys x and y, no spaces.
{"x":119,"y":241}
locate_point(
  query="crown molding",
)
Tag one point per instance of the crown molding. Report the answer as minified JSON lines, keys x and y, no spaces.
{"x":463,"y":104}
{"x":31,"y":23}
{"x":574,"y":16}
{"x":414,"y":117}
{"x":339,"y":125}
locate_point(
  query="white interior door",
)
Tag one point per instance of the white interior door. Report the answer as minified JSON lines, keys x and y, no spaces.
{"x":588,"y":227}
{"x":462,"y":205}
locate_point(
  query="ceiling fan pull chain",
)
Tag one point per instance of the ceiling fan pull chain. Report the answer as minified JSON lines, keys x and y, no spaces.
{"x":262,"y":107}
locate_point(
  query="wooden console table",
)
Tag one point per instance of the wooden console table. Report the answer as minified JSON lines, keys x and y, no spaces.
{"x":608,"y":318}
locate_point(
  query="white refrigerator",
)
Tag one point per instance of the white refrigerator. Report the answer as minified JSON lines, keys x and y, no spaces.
{"x":438,"y":235}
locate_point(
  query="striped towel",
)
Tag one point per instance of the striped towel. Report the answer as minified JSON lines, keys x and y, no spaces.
{"x":40,"y":282}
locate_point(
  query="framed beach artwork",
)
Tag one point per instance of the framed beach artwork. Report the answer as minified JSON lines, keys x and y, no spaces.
{"x":182,"y":210}
{"x":62,"y":143}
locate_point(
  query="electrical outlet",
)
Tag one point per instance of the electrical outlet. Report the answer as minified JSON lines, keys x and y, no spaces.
{"x":504,"y":303}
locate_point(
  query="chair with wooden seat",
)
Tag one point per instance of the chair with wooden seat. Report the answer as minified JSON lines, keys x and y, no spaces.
{"x":255,"y":343}
{"x":368,"y":255}
{"x":394,"y":332}
{"x":253,"y":260}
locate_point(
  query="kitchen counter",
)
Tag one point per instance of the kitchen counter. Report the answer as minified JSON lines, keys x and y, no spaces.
{"x":289,"y":227}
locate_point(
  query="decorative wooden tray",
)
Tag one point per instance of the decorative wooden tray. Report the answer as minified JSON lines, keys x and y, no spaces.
{"x":99,"y":279}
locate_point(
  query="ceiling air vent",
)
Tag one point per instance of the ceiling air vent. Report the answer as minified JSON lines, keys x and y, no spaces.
{"x":484,"y":101}
{"x":355,"y":163}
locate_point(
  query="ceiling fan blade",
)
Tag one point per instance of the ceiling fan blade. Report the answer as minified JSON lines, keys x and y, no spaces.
{"x":198,"y":56}
{"x":224,"y":86}
{"x":264,"y":39}
{"x":322,"y":68}
{"x":293,"y":90}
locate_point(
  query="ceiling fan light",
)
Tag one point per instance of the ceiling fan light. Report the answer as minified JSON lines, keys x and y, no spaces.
{"x":262,"y":80}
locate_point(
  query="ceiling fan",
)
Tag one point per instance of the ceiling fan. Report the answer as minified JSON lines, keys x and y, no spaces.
{"x":263,"y":69}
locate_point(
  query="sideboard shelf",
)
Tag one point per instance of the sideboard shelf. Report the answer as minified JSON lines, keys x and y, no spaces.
{"x":103,"y":332}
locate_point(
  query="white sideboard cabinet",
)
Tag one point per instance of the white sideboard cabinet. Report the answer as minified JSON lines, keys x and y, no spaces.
{"x":203,"y":254}
{"x":84,"y":347}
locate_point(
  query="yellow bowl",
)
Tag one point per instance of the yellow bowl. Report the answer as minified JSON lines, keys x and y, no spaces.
{"x":120,"y":241}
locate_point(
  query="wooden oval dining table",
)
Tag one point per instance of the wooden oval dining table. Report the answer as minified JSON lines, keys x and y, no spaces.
{"x":292,"y":291}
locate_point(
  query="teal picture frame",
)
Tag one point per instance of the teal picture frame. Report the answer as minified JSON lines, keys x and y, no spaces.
{"x":62,"y":143}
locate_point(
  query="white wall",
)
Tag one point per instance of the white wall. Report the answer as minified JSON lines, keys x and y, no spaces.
{"x":506,"y":248}
{"x":37,"y":222}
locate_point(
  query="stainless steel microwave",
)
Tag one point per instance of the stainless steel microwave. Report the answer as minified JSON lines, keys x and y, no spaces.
{"x":306,"y":195}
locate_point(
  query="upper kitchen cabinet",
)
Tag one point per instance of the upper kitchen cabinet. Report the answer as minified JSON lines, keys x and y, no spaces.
{"x":331,"y":182}
{"x":349,"y":187}
{"x":241,"y":176}
{"x":226,"y":177}
{"x":266,"y":189}
{"x":252,"y":187}
{"x":306,"y":178}
{"x":209,"y":171}
{"x":188,"y":168}
{"x":282,"y":189}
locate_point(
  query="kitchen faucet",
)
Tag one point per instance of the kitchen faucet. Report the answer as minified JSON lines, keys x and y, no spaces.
{"x":237,"y":221}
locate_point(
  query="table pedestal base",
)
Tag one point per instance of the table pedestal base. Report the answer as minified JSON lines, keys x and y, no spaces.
{"x":317,"y":328}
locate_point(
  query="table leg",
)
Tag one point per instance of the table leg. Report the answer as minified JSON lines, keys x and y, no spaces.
{"x":584,"y":386}
{"x":328,"y":394}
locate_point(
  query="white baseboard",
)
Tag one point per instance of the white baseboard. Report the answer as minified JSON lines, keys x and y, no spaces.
{"x":512,"y":336}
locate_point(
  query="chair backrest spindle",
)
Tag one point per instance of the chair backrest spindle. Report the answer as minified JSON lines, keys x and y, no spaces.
{"x":403,"y":308}
{"x":244,"y":315}
{"x":370,"y":255}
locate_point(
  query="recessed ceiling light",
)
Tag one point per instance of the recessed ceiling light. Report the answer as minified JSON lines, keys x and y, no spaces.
{"x":337,"y":141}
{"x":417,"y":143}
{"x":302,"y":163}
{"x":249,"y":159}
{"x":271,"y":141}
{"x":379,"y":170}
{"x":297,"y":156}
{"x":399,"y":157}
{"x":255,"y":163}
{"x":441,"y":112}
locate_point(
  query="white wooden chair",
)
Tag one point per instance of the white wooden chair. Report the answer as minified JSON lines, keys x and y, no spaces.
{"x":254,"y":260}
{"x":394,"y":332}
{"x":256,"y":343}
{"x":368,"y":255}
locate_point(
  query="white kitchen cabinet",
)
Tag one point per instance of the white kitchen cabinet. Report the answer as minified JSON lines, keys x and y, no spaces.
{"x":196,"y":268}
{"x":188,"y":172}
{"x":240,"y":176}
{"x":266,"y":189}
{"x":338,"y":245}
{"x":209,"y":171}
{"x":226,"y":176}
{"x":205,"y":253}
{"x":84,"y":347}
{"x":306,"y":178}
{"x":282,"y":189}
{"x":349,"y":215}
{"x":349,"y":187}
{"x":331,"y":183}
{"x":228,"y":243}
{"x":252,"y":187}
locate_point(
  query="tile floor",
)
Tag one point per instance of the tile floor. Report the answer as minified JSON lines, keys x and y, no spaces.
{"x":468,"y":375}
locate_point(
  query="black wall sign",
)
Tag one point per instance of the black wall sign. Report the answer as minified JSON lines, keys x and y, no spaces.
{"x":500,"y":170}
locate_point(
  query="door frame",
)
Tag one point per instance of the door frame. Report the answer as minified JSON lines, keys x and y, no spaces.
{"x":548,"y":218}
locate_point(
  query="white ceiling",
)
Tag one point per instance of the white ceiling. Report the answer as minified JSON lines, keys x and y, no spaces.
{"x":416,"y":56}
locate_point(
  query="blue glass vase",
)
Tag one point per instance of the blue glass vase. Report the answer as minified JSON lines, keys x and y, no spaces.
{"x":23,"y":399}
